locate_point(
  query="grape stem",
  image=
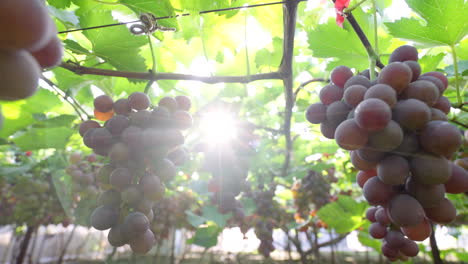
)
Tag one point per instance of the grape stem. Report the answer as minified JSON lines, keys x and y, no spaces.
{"x":376,"y":45}
{"x":457,"y":76}
{"x":453,"y":120}
{"x":350,"y":9}
{"x":304,"y":84}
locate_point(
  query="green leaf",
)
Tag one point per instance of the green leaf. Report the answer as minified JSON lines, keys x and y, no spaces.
{"x":59,"y":3}
{"x":44,"y":138}
{"x":206,"y":236}
{"x":462,"y":68}
{"x":343,"y":215}
{"x":58,"y":121}
{"x":443,"y":22}
{"x":161,"y":8}
{"x":430,"y":62}
{"x":75,"y":47}
{"x":68,"y":18}
{"x":115,"y":45}
{"x":8,"y":171}
{"x":211,"y":213}
{"x":194,"y":220}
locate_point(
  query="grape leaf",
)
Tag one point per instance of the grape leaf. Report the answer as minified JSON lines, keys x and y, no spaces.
{"x":116,"y":45}
{"x":59,"y":3}
{"x":430,"y":62}
{"x":206,"y":236}
{"x":442,"y":22}
{"x":344,"y":215}
{"x":44,"y":138}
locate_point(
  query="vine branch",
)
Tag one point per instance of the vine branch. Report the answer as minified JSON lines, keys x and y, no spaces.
{"x":304,"y":84}
{"x":149,"y":76}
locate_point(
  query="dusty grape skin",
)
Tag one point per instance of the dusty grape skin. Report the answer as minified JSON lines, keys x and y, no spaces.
{"x":354,"y":94}
{"x":363,"y":176}
{"x":122,"y":107}
{"x":330,"y":93}
{"x":376,"y":192}
{"x":395,"y":239}
{"x":404,"y":53}
{"x":383,"y":92}
{"x":439,"y":76}
{"x":410,"y":248}
{"x":405,"y":211}
{"x":328,"y":129}
{"x":183,"y":102}
{"x":316,"y":113}
{"x":411,"y":114}
{"x":393,"y":170}
{"x":340,"y":75}
{"x":370,"y":214}
{"x":87,"y":125}
{"x":444,"y":213}
{"x":440,"y":137}
{"x":104,"y":217}
{"x":386,"y":139}
{"x":396,"y":74}
{"x":138,"y":101}
{"x":424,"y":91}
{"x":458,"y":181}
{"x":358,"y":79}
{"x":443,"y":104}
{"x":372,"y":114}
{"x":103,"y":103}
{"x":437,"y":114}
{"x":337,"y":112}
{"x":371,"y":154}
{"x":430,"y":169}
{"x":117,"y":124}
{"x":415,"y":68}
{"x":350,"y":136}
{"x":360,"y":163}
{"x":377,"y":230}
{"x":427,"y":195}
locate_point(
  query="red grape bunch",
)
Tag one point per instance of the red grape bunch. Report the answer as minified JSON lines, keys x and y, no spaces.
{"x":144,"y":147}
{"x":398,"y":135}
{"x":28,"y":43}
{"x":83,"y":170}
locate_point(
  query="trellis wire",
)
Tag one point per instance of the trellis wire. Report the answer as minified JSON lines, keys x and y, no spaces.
{"x":182,"y":15}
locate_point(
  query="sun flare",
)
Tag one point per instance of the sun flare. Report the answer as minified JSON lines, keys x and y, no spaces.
{"x":218,"y":127}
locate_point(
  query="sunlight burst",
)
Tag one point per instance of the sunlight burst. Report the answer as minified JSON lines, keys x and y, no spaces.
{"x":218,"y":127}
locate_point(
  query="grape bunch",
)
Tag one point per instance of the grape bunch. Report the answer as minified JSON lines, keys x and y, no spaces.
{"x":25,"y":47}
{"x":144,"y":147}
{"x":397,"y":132}
{"x":312,"y":189}
{"x":83,"y":170}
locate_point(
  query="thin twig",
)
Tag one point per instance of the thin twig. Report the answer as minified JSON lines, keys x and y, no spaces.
{"x":149,"y":76}
{"x":453,"y":120}
{"x":304,"y":84}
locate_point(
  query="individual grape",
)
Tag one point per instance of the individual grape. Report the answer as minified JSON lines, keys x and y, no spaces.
{"x":444,"y":213}
{"x":19,"y":72}
{"x":393,"y":170}
{"x":427,"y":195}
{"x":104,"y":217}
{"x":409,"y":145}
{"x":370,"y":154}
{"x":418,"y":232}
{"x":165,"y":170}
{"x":138,"y":101}
{"x":396,"y":74}
{"x":350,"y":136}
{"x":152,"y":187}
{"x":383,"y":92}
{"x":143,"y":243}
{"x":316,"y":113}
{"x":387,"y":139}
{"x":161,"y":117}
{"x":173,"y":138}
{"x":145,"y":206}
{"x":330,"y":93}
{"x":169,"y":103}
{"x":422,"y":90}
{"x":458,"y":181}
{"x":377,"y":231}
{"x":443,"y":104}
{"x":439,"y":76}
{"x":119,"y":152}
{"x":440,"y":137}
{"x":117,"y":124}
{"x":370,"y":214}
{"x":101,"y":138}
{"x":110,"y":198}
{"x":360,"y":163}
{"x":430,"y":169}
{"x":76,"y":174}
{"x":389,"y":252}
{"x":437,"y":114}
{"x":382,"y":217}
{"x":337,"y":112}
{"x":102,"y":151}
{"x":395,"y":239}
{"x":178,"y":156}
{"x":24,"y":25}
{"x":132,"y":195}
{"x":415,"y":69}
{"x":115,"y":236}
{"x":75,"y":158}
{"x":354,"y":94}
{"x":183,"y":102}
{"x":436,"y":81}
{"x":103,"y":116}
{"x":49,"y":55}
{"x":141,"y":118}
{"x":182,"y":119}
{"x":358,"y":79}
{"x":121,"y":178}
{"x":328,"y":129}
{"x":366,"y":73}
{"x":405,"y":211}
{"x":135,"y":223}
{"x":133,"y":137}
{"x":376,"y":192}
{"x":372,"y":114}
{"x":411,"y":114}
{"x":340,"y":75}
{"x":363,"y":176}
{"x":410,"y":248}
{"x":404,"y":53}
{"x":122,"y":107}
{"x":103,"y":103}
